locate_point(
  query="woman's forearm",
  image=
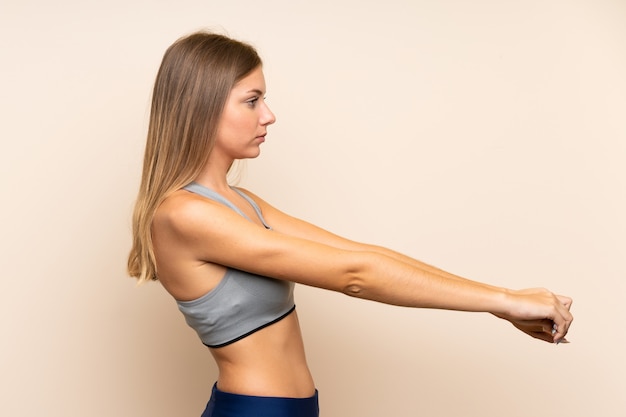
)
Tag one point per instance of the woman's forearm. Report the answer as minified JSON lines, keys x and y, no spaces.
{"x":393,"y":278}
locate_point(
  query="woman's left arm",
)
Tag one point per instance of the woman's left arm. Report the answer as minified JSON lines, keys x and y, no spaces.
{"x":293,"y":226}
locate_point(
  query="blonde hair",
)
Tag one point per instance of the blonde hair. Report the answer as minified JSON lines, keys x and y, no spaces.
{"x":194,"y":80}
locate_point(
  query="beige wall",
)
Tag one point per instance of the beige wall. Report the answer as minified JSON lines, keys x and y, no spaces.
{"x":486,"y":137}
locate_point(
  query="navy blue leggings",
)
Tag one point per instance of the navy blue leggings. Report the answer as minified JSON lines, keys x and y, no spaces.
{"x":224,"y":404}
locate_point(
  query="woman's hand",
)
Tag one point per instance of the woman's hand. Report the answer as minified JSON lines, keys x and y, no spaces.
{"x":540,"y":314}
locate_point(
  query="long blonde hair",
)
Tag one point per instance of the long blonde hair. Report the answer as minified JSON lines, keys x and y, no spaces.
{"x":194,"y":80}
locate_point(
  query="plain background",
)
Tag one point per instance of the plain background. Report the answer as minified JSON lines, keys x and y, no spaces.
{"x":486,"y":137}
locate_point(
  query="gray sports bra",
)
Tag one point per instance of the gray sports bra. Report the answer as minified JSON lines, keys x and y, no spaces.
{"x":242,"y":303}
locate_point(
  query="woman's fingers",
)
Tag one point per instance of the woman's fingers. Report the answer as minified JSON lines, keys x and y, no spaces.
{"x":563,"y":320}
{"x":566,"y":301}
{"x":539,"y":329}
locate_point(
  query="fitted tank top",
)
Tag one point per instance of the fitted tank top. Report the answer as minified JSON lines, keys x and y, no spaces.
{"x":242,"y":303}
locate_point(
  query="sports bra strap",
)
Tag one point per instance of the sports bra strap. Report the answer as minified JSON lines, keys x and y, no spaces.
{"x":194,"y":187}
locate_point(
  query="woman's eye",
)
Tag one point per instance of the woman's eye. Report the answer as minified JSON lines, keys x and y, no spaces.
{"x":252,"y":101}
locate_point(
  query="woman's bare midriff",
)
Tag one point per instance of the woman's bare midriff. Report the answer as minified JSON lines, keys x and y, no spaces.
{"x":270,"y":362}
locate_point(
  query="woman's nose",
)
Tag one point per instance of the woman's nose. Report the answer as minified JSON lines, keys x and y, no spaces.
{"x":268,"y":117}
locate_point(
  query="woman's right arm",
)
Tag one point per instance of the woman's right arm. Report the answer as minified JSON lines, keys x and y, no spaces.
{"x":311,"y":256}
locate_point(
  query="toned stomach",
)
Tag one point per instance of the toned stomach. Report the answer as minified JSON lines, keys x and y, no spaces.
{"x":270,"y":362}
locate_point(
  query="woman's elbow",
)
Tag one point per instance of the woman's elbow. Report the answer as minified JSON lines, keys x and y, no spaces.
{"x":359,"y":277}
{"x":354,"y":288}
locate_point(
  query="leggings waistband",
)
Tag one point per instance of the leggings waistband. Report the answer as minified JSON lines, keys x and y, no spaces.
{"x":225,"y":404}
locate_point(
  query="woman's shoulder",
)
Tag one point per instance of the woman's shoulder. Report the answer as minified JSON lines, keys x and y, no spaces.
{"x":183,"y":211}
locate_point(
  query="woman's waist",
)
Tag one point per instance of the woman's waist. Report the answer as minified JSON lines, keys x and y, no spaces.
{"x":279,"y":381}
{"x":270,"y":362}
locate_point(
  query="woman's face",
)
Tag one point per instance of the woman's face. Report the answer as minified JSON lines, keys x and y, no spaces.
{"x":244,"y":122}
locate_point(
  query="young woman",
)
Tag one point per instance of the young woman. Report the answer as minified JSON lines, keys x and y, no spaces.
{"x":230,"y":259}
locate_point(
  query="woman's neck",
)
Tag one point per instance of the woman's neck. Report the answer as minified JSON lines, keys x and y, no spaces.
{"x":214,"y":174}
